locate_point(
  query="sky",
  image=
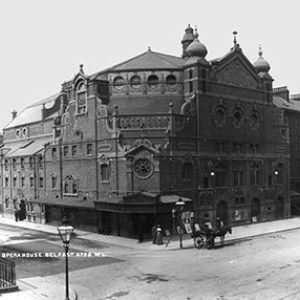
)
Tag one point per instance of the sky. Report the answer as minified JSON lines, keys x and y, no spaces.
{"x":43,"y":42}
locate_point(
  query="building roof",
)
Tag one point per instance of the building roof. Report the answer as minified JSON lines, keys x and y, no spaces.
{"x":31,"y":147}
{"x":289,"y":105}
{"x":32,"y":113}
{"x":147,"y":60}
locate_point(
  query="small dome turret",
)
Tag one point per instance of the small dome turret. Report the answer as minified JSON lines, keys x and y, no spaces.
{"x":261,"y":64}
{"x":196,"y":48}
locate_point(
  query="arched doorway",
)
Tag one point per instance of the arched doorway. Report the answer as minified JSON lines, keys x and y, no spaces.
{"x":280,"y":207}
{"x":222,"y":211}
{"x":255,"y":209}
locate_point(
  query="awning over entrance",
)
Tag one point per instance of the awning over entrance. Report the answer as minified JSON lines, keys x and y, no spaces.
{"x":172,"y":199}
{"x":65,"y":202}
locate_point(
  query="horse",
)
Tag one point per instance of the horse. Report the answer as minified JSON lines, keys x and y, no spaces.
{"x":210,"y":235}
{"x":221,"y":232}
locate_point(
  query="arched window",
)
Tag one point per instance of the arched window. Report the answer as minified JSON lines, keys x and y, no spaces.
{"x":119,"y":82}
{"x":135,"y":82}
{"x":171,"y":80}
{"x":81,"y":98}
{"x":153,"y":81}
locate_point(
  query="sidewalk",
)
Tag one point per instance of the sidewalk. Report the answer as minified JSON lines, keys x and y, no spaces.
{"x":39,"y":288}
{"x":238,"y":232}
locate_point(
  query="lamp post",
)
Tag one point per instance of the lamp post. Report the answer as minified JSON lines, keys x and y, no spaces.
{"x":212,"y":174}
{"x":179,"y":209}
{"x":65,"y":232}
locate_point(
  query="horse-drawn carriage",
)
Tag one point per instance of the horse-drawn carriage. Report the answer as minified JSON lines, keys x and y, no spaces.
{"x":205,"y":236}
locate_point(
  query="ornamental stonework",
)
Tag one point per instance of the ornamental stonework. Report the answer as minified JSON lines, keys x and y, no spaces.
{"x":236,"y":74}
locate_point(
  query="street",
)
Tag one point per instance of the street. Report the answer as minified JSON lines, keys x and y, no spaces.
{"x":265,"y":267}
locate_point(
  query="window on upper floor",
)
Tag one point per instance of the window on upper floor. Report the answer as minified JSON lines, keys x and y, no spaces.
{"x":254,"y":174}
{"x":22,"y":163}
{"x":135,"y":81}
{"x":171,"y":81}
{"x":71,"y":185}
{"x":238,"y":178}
{"x":54,"y":153}
{"x":6,"y":165}
{"x":104,"y":172}
{"x":41,"y":182}
{"x":153,"y":81}
{"x":81,"y":98}
{"x":119,"y":83}
{"x":22,"y":181}
{"x":30,"y":162}
{"x":31,"y":182}
{"x":74,"y":150}
{"x":66,"y":151}
{"x":187,"y":171}
{"x":89,"y":149}
{"x":53,"y":181}
{"x":14,"y":163}
{"x":14,"y":181}
{"x":6,"y":181}
{"x":41,"y":160}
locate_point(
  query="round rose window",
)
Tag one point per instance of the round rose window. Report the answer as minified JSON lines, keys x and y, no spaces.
{"x":143,"y":167}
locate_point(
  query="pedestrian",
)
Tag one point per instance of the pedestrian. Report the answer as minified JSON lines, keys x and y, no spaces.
{"x":16,"y":212}
{"x":153,"y":232}
{"x":159,"y":239}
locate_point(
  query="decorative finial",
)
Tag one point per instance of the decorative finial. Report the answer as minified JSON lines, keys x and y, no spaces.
{"x":81,"y":68}
{"x":149,"y":49}
{"x":234,"y":38}
{"x":196,"y":35}
{"x":260,"y":51}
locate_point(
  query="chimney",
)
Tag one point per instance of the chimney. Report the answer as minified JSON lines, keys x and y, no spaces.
{"x":14,"y":114}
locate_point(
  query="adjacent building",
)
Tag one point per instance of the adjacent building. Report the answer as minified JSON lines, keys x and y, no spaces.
{"x":115,"y":150}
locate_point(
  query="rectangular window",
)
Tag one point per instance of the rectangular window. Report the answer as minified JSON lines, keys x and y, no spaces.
{"x":14,"y":164}
{"x":53,"y":182}
{"x":205,"y":182}
{"x":220,"y":178}
{"x":89,"y":149}
{"x":22,"y":163}
{"x":54,"y":153}
{"x":31,"y":182}
{"x":22,"y":181}
{"x":41,"y":160}
{"x":254,"y":177}
{"x":238,"y":178}
{"x":14,"y":181}
{"x":81,"y":100}
{"x":41,"y":182}
{"x":66,"y":151}
{"x":74,"y":150}
{"x":6,"y":165}
{"x":30,"y":162}
{"x":104,"y":172}
{"x":187,"y":169}
{"x":6,"y":181}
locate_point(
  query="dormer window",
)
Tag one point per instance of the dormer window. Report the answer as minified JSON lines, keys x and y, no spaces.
{"x":81,"y":98}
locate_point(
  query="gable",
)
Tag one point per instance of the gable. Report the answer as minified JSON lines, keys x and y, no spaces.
{"x":237,"y":71}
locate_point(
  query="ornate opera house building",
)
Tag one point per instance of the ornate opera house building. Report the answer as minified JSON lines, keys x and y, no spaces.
{"x":115,"y":150}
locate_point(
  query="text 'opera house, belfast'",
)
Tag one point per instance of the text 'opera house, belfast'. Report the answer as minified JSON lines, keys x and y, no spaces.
{"x":114,"y":151}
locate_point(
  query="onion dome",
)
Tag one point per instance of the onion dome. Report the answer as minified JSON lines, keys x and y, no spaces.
{"x":196,"y":48}
{"x":189,"y":34}
{"x":261,"y":65}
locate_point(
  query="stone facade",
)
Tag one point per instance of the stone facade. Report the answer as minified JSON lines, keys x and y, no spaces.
{"x":122,"y":145}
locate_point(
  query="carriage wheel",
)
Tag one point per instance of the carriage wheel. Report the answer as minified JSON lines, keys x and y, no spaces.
{"x":199,"y":242}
